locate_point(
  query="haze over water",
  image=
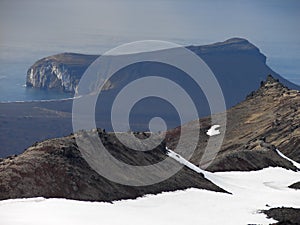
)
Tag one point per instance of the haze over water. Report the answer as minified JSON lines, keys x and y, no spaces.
{"x":33,"y":29}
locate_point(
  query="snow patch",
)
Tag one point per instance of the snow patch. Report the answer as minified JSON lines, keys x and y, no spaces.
{"x":213,"y":130}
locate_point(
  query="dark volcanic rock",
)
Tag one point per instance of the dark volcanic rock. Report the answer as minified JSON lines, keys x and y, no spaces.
{"x":55,"y":168}
{"x":268,"y":119}
{"x":284,"y":216}
{"x":295,"y":186}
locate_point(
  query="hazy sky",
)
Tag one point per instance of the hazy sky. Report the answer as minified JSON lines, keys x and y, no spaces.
{"x":93,"y":26}
{"x":37,"y":20}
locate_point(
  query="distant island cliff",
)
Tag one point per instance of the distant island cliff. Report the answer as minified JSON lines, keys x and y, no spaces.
{"x":233,"y":61}
{"x":61,"y":71}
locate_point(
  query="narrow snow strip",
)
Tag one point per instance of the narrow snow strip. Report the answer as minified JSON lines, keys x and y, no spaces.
{"x":213,"y":130}
{"x":183,"y":161}
{"x":287,"y":158}
{"x":213,"y":177}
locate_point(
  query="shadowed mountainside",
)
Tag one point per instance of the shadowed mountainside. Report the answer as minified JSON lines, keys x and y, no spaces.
{"x":234,"y":61}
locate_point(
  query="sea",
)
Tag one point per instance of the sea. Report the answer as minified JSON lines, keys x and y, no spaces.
{"x":32,"y":29}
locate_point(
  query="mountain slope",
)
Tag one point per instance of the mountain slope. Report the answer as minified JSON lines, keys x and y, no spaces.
{"x":268,"y":119}
{"x":56,"y":169}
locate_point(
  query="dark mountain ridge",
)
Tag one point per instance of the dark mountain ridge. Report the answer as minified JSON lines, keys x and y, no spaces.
{"x":267,"y":120}
{"x":56,"y":169}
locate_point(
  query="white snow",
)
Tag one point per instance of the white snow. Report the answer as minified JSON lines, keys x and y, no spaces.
{"x":285,"y":157}
{"x":183,"y":161}
{"x":251,"y":191}
{"x":213,"y":130}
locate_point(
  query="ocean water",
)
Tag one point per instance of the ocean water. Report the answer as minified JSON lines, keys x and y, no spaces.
{"x":12,"y":85}
{"x":32,"y":29}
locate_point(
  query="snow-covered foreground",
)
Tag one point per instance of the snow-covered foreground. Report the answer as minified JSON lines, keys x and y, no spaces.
{"x":251,"y":191}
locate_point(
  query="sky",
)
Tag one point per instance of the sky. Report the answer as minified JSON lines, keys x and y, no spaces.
{"x":35,"y":28}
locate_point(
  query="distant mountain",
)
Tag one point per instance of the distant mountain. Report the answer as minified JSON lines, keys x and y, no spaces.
{"x":238,"y":65}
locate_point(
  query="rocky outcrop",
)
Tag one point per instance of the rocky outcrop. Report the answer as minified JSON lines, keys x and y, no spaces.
{"x":295,"y":186}
{"x":267,"y":120}
{"x":62,"y":71}
{"x":56,"y":169}
{"x":284,"y":215}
